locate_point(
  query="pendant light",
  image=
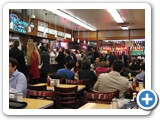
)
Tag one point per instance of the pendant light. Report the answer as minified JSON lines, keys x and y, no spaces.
{"x":64,"y":28}
{"x":44,"y":32}
{"x":72,"y":33}
{"x":88,"y":38}
{"x":84,"y":36}
{"x":29,"y":27}
{"x":55,"y":26}
{"x":11,"y":23}
{"x":78,"y":41}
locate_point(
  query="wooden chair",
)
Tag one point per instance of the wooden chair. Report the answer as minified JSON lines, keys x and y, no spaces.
{"x":65,"y":97}
{"x":99,"y":97}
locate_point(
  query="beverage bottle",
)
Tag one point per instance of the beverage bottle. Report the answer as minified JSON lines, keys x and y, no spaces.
{"x":48,"y":81}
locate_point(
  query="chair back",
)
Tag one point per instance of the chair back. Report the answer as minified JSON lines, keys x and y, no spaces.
{"x":39,"y":87}
{"x":75,"y":82}
{"x":99,"y":97}
{"x":40,"y":94}
{"x":65,"y":97}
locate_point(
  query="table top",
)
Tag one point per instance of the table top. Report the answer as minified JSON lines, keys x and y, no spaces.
{"x":80,"y":87}
{"x":95,"y":106}
{"x":37,"y":103}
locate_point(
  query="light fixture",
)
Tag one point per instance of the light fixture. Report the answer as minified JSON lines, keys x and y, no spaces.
{"x":44,"y":32}
{"x":72,"y":33}
{"x":124,"y":27}
{"x":84,"y":36}
{"x":11,"y":23}
{"x":64,"y":28}
{"x":72,"y":18}
{"x":29,"y":27}
{"x":115,"y":14}
{"x":78,"y":36}
{"x":88,"y":38}
{"x":55,"y":25}
{"x":32,"y":15}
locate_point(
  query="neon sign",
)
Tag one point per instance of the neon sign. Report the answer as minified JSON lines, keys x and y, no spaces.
{"x":17,"y":25}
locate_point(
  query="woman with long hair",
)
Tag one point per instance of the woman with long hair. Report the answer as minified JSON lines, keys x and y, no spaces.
{"x":33,"y":60}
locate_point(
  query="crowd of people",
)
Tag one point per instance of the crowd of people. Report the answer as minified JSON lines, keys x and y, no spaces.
{"x":105,"y":71}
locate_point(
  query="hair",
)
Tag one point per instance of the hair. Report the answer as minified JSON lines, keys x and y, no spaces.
{"x":13,"y":61}
{"x":85,"y":65}
{"x":43,"y":48}
{"x":70,"y":64}
{"x":67,"y":51}
{"x":117,"y":65}
{"x":102,"y":64}
{"x":143,"y":67}
{"x":16,"y":43}
{"x":30,"y":50}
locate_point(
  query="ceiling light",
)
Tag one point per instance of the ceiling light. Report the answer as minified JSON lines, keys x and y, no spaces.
{"x":72,"y":18}
{"x":115,"y":14}
{"x":124,"y":27}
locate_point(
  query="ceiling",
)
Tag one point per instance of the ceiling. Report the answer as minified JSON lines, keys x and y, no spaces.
{"x":99,"y":18}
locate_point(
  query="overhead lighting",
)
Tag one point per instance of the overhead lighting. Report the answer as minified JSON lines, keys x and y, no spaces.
{"x":72,"y":18}
{"x":124,"y":27}
{"x":115,"y":14}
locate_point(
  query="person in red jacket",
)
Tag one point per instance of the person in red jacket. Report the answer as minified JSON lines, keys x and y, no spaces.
{"x":33,"y":60}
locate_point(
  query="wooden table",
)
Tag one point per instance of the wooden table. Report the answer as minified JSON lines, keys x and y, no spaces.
{"x":37,"y":103}
{"x":80,"y":87}
{"x":95,"y":106}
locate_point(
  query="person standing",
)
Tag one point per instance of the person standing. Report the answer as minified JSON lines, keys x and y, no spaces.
{"x":60,"y":58}
{"x":16,"y":53}
{"x":33,"y":60}
{"x":17,"y":80}
{"x":45,"y":62}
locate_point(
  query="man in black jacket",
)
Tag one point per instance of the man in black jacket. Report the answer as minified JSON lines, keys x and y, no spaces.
{"x":14,"y":52}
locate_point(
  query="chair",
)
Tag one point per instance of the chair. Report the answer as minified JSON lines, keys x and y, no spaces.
{"x":75,"y":82}
{"x":99,"y":97}
{"x":40,"y":94}
{"x":65,"y":97}
{"x":39,"y":87}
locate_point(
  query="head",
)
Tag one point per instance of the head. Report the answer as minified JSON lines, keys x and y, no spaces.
{"x":117,"y":66}
{"x":12,"y":65}
{"x":30,"y":48}
{"x":67,"y":52}
{"x":85,"y":65}
{"x":70,"y":64}
{"x":102,"y":64}
{"x":61,"y":49}
{"x":16,"y":43}
{"x":78,"y":63}
{"x":97,"y":60}
{"x":43,"y":48}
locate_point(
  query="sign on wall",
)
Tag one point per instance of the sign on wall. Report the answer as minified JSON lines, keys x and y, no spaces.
{"x":17,"y":25}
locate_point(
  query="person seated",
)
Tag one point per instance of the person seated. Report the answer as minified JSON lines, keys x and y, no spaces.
{"x":141,"y":75}
{"x":67,"y":70}
{"x":17,"y":80}
{"x":97,"y":62}
{"x":85,"y":73}
{"x":102,"y":68}
{"x":109,"y":82}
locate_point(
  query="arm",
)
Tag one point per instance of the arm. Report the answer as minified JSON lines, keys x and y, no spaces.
{"x":21,"y":84}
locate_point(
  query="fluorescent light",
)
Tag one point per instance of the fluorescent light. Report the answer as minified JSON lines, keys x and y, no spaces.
{"x":72,"y":18}
{"x":124,"y":27}
{"x":115,"y":15}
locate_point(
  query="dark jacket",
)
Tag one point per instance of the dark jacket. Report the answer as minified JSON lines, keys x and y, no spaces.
{"x":45,"y":60}
{"x":19,"y":56}
{"x":60,"y":60}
